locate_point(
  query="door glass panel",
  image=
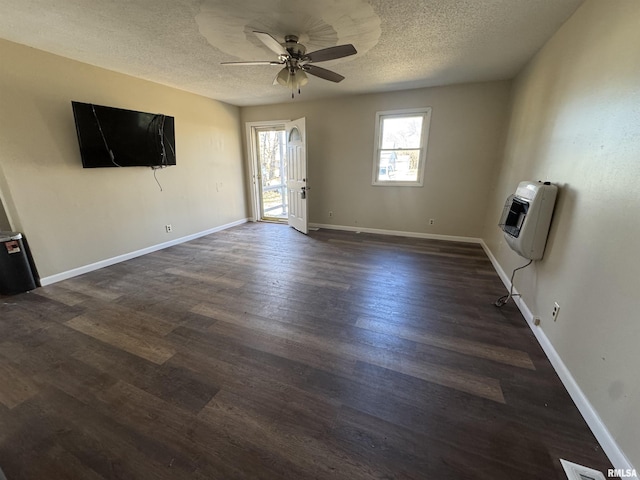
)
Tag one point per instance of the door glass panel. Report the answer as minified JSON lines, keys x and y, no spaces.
{"x":273,"y":173}
{"x":294,"y":136}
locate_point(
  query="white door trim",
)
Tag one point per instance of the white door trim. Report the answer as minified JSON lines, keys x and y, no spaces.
{"x":252,"y":162}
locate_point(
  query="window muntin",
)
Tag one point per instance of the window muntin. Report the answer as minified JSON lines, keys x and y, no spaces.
{"x":401,"y":144}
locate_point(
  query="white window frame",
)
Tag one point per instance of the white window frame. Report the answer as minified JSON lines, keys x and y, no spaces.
{"x":425,"y":112}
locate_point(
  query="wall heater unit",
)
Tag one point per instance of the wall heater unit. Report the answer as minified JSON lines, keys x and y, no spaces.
{"x":526,"y":218}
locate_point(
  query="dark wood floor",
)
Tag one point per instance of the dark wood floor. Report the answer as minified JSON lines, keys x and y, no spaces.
{"x":258,"y":352}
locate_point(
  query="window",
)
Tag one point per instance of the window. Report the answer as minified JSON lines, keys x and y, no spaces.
{"x":401,"y":147}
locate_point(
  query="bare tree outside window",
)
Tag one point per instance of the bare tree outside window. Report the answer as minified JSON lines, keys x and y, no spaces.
{"x":271,"y":148}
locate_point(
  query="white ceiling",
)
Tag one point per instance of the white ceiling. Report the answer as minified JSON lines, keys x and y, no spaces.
{"x":401,"y":44}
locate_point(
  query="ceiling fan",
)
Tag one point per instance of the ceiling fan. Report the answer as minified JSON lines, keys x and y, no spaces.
{"x":297,"y":62}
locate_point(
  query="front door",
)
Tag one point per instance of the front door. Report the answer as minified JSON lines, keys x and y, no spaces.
{"x":297,"y":174}
{"x":271,"y":172}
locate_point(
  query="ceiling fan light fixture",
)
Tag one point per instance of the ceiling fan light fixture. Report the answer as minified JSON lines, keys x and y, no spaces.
{"x":301,"y":78}
{"x":292,"y":83}
{"x":293,"y":79}
{"x":283,"y":77}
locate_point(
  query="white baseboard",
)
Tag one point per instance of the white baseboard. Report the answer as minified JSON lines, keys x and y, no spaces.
{"x":397,"y":233}
{"x":58,"y":277}
{"x":590,"y":415}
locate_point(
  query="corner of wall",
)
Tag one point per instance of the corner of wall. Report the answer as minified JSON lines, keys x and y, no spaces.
{"x":588,"y":412}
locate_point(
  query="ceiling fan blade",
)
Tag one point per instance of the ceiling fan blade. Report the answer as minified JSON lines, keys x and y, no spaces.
{"x":257,"y":62}
{"x":323,"y":73}
{"x":331,"y":53}
{"x":271,"y":42}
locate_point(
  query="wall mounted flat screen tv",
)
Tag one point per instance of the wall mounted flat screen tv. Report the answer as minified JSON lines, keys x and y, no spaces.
{"x":114,"y":137}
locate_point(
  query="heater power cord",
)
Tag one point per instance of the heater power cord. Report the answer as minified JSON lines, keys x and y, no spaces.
{"x":505,"y":298}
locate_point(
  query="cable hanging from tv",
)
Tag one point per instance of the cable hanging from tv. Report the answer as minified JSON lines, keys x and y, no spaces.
{"x":154,"y":175}
{"x":104,"y":139}
{"x":160,"y":120}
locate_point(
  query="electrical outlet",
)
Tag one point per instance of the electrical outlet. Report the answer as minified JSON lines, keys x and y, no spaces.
{"x":432,"y":221}
{"x":168,"y":228}
{"x":330,"y":213}
{"x":556,"y":311}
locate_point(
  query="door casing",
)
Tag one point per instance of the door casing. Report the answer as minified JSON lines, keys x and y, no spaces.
{"x":251,"y":129}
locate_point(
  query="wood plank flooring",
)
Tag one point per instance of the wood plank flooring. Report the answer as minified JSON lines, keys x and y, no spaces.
{"x":261,"y":353}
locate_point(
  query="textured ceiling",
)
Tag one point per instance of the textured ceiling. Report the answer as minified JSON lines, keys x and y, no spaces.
{"x":401,"y":44}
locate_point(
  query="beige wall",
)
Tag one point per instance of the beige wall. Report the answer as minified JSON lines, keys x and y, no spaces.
{"x":74,"y":216}
{"x":467,"y":126}
{"x":576,"y":122}
{"x":4,"y":220}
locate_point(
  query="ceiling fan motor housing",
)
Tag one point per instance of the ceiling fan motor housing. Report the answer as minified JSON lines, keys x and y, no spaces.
{"x":295,"y":49}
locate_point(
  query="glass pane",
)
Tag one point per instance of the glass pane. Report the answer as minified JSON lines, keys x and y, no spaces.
{"x":399,"y":165}
{"x":295,"y":136}
{"x":271,"y":154}
{"x":401,"y":132}
{"x":274,"y":202}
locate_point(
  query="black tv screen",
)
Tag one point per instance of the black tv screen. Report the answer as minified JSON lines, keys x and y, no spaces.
{"x":114,"y":137}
